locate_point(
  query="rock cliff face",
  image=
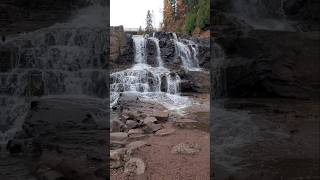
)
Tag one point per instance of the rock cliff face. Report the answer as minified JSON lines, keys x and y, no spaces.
{"x":121,"y":48}
{"x":265,"y":61}
{"x":122,"y":56}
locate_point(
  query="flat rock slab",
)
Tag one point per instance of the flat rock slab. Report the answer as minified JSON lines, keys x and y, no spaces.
{"x":165,"y":132}
{"x":161,"y":115}
{"x":134,"y":166}
{"x":137,"y":137}
{"x":185,"y":121}
{"x":134,"y":131}
{"x":118,"y":136}
{"x":186,"y":148}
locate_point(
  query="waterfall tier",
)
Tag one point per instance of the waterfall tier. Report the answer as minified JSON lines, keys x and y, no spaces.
{"x":152,"y":83}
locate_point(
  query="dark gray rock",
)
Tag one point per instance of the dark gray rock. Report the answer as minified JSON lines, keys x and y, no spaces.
{"x":268,"y":64}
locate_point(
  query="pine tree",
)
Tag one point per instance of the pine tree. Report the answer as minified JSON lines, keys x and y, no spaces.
{"x":140,"y":30}
{"x":149,"y":27}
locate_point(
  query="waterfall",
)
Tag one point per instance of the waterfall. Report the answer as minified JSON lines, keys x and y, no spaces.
{"x":187,"y":51}
{"x":140,"y":47}
{"x":175,"y":37}
{"x":173,"y":84}
{"x":150,"y":83}
{"x":65,"y":59}
{"x":159,"y":59}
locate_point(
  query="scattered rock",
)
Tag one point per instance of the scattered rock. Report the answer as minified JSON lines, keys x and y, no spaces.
{"x":118,"y":157}
{"x":133,"y":146}
{"x":131,"y":124}
{"x":149,"y":120}
{"x":186,"y":148}
{"x":151,"y":127}
{"x":134,"y":166}
{"x":116,"y":164}
{"x":161,"y":115}
{"x":118,"y":136}
{"x":117,"y":154}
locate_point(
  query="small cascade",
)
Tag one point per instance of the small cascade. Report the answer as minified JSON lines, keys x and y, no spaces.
{"x":140,"y":45}
{"x":175,"y":37}
{"x":150,"y":83}
{"x":187,"y":51}
{"x":159,"y":59}
{"x":173,"y":84}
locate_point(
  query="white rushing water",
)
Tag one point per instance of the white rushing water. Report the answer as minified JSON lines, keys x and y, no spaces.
{"x":150,"y":83}
{"x":187,"y":50}
{"x":158,"y":57}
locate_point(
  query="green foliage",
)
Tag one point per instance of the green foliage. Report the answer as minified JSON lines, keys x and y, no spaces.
{"x":191,"y":22}
{"x":203,"y":19}
{"x":198,"y":15}
{"x":191,"y":3}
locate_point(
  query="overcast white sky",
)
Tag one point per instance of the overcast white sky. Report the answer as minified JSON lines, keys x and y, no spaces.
{"x":132,"y":13}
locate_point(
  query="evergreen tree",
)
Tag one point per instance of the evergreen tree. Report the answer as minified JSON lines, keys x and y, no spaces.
{"x":149,"y":27}
{"x":140,"y":30}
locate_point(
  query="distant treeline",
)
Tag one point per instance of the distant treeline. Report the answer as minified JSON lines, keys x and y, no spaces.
{"x":186,"y":16}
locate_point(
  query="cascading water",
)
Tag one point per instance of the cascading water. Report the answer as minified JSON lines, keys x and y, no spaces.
{"x":140,"y":46}
{"x":61,"y":60}
{"x":159,"y":59}
{"x":187,"y":51}
{"x":150,"y":83}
